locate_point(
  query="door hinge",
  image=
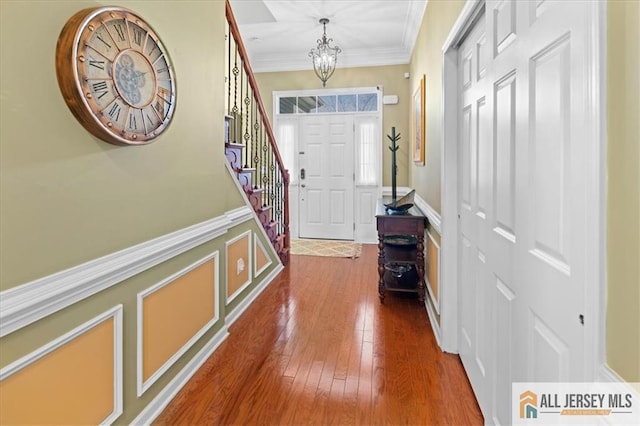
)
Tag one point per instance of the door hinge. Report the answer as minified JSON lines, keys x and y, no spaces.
{"x":581,"y":319}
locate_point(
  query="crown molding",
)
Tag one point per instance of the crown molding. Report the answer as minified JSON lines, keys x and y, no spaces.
{"x":353,"y":59}
{"x":415,"y":15}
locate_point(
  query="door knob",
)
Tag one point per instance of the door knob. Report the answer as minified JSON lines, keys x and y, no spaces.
{"x":303,"y":185}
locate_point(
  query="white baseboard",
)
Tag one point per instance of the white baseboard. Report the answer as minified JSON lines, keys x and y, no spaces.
{"x":160,"y":402}
{"x":231,"y":317}
{"x":607,"y":375}
{"x":434,"y":323}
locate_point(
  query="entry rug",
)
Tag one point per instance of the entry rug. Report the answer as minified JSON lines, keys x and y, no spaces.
{"x":327,"y":248}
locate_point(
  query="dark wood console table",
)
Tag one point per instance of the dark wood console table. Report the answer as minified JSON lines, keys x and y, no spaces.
{"x":400,"y":251}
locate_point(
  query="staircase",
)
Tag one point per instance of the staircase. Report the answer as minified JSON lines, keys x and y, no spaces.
{"x":250,"y":146}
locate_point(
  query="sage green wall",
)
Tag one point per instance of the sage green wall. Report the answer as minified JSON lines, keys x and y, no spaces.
{"x":426,"y":59}
{"x":391,"y":78}
{"x":67,"y":197}
{"x":623,"y":189}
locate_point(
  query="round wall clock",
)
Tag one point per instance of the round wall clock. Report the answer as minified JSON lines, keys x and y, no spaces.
{"x":115,"y":75}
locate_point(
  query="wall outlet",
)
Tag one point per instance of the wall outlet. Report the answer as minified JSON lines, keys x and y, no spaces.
{"x":239,"y":266}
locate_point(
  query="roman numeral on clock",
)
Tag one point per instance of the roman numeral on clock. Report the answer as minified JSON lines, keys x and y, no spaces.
{"x":99,"y":37}
{"x":114,"y":111}
{"x":132,"y":121}
{"x":97,"y":64}
{"x":137,"y":37}
{"x":119,"y":31}
{"x":100,"y":88}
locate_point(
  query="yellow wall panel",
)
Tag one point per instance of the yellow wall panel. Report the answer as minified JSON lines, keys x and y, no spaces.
{"x":262,"y":260}
{"x":238,"y":251}
{"x":72,"y":385}
{"x":174,"y":312}
{"x":433,"y":272}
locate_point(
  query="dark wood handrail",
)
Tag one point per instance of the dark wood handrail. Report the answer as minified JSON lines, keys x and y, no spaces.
{"x":233,"y":27}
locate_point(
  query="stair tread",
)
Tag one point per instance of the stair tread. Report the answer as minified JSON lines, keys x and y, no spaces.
{"x":233,"y":145}
{"x":255,"y":194}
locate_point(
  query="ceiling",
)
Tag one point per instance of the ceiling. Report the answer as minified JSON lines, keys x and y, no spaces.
{"x":278,"y":34}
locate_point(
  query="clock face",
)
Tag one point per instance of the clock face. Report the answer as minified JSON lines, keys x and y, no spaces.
{"x":115,"y":75}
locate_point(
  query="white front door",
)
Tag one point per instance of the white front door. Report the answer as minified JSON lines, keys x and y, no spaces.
{"x":524,"y":158}
{"x":326,"y":177}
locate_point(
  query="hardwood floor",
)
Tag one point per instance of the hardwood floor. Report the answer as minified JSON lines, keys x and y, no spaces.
{"x":317,"y":347}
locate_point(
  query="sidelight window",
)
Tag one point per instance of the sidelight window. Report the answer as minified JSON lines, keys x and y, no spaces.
{"x":367,"y":151}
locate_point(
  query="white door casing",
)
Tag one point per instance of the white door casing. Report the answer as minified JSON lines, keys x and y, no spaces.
{"x":529,"y":230}
{"x":326,"y":153}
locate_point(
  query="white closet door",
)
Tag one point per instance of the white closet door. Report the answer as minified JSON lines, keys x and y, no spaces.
{"x":524,"y":159}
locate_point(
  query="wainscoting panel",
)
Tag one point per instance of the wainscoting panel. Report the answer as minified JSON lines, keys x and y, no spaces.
{"x":433,"y":270}
{"x":75,"y":379}
{"x":173,"y":315}
{"x":238,"y":263}
{"x":260,"y":256}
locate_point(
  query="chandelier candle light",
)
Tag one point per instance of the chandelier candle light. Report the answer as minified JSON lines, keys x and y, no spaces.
{"x":324,"y":56}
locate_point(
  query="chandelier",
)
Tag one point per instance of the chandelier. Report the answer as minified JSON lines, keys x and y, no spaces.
{"x":324,"y":56}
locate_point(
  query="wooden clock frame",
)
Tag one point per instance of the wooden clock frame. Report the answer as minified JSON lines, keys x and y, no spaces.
{"x":115,"y":75}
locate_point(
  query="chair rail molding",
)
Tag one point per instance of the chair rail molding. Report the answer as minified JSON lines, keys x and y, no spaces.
{"x":435,"y":220}
{"x":27,"y":303}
